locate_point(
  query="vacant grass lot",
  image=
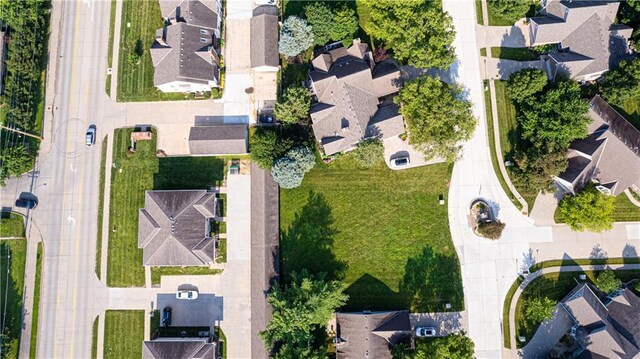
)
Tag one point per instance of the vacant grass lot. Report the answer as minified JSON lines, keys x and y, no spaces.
{"x":554,"y":286}
{"x":11,"y":225}
{"x":12,"y":278}
{"x":625,"y":211}
{"x":157,"y":272}
{"x":131,"y":176}
{"x":514,"y":53}
{"x":382,"y":232}
{"x":123,"y":334}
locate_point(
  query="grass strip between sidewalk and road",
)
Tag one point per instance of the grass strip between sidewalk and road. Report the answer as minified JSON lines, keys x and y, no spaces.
{"x":158,"y":272}
{"x":94,"y":339}
{"x":103,"y":163}
{"x":13,"y":255}
{"x":112,"y":25}
{"x":506,"y":334}
{"x":123,"y":334}
{"x":36,"y":305}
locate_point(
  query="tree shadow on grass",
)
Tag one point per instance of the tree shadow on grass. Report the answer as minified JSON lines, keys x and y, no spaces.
{"x":307,"y":243}
{"x":431,"y":280}
{"x":370,"y":293}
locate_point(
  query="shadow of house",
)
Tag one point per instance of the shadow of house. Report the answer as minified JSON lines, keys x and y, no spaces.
{"x":307,"y":243}
{"x":370,"y":293}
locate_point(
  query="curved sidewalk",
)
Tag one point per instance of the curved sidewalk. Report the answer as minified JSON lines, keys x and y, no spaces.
{"x":532,"y":276}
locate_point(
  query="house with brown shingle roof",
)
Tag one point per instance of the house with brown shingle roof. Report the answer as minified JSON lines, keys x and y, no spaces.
{"x":589,"y":41}
{"x":371,"y":334}
{"x":348,"y":87}
{"x":175,"y":228}
{"x":608,"y":156}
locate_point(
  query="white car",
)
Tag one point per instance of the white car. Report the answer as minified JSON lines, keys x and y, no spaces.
{"x":90,"y":137}
{"x":187,"y":294}
{"x":400,"y":162}
{"x":426,"y":332}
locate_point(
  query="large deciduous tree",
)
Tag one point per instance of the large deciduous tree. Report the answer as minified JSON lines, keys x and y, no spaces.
{"x":266,"y":145}
{"x":453,"y":346}
{"x":439,"y":119}
{"x":320,"y":18}
{"x":300,"y":308}
{"x":622,"y":83}
{"x":536,"y":166}
{"x":295,"y":36}
{"x":608,"y":282}
{"x":525,"y":83}
{"x":588,"y":210}
{"x":345,"y":25}
{"x":509,"y":10}
{"x":294,"y":105}
{"x":420,"y":32}
{"x":14,"y":161}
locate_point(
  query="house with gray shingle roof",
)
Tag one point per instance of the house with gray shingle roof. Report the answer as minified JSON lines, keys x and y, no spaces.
{"x":604,"y":329}
{"x":175,"y":228}
{"x":178,"y":348}
{"x":222,"y":139}
{"x":185,"y":52}
{"x":589,"y":41}
{"x":348,"y":87}
{"x":608,"y":156}
{"x":370,"y":334}
{"x":265,"y":59}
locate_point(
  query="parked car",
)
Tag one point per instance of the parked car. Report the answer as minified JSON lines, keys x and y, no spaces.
{"x":400,"y":162}
{"x":90,"y":138}
{"x":426,"y":332}
{"x":166,"y":317}
{"x":26,"y":203}
{"x":187,"y":294}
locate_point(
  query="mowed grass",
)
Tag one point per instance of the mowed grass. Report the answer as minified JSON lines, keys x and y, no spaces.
{"x":514,"y":53}
{"x":131,"y":176}
{"x":11,"y":225}
{"x":140,"y":20}
{"x":103,"y":162}
{"x":624,"y":211}
{"x":382,"y":232}
{"x":12,"y":284}
{"x":36,"y":305}
{"x":112,"y":25}
{"x":123,"y":334}
{"x":94,"y":339}
{"x":158,"y":272}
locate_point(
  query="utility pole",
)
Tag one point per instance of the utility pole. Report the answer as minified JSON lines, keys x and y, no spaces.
{"x":21,"y":132}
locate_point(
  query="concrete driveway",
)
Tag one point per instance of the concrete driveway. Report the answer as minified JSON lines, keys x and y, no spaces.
{"x":394,"y":147}
{"x":445,"y":322}
{"x":201,"y":312}
{"x":504,"y":36}
{"x":501,"y":68}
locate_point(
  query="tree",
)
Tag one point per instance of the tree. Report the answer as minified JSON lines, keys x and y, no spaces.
{"x":622,"y":83}
{"x":438,"y":119}
{"x":14,"y":161}
{"x":265,"y":146}
{"x":491,"y":229}
{"x":299,"y":309}
{"x":556,"y":116}
{"x":295,"y":36}
{"x":453,"y":346}
{"x":369,"y":153}
{"x":608,"y":282}
{"x":420,"y":32}
{"x":539,"y":309}
{"x":508,"y":9}
{"x":294,"y":106}
{"x":588,"y":210}
{"x":522,"y":85}
{"x":345,"y":25}
{"x":289,"y":170}
{"x":535,"y":167}
{"x":320,"y":18}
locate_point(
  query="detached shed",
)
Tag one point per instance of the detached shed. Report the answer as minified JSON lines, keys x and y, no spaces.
{"x":218,"y":140}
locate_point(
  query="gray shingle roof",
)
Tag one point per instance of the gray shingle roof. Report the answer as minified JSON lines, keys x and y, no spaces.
{"x":178,"y":348}
{"x":201,"y":13}
{"x":173,"y":228}
{"x":371,"y":335}
{"x":264,"y":37}
{"x":218,"y":140}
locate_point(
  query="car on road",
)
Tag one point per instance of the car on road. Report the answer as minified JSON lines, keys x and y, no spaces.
{"x":26,"y":203}
{"x":187,"y":294}
{"x":90,"y":137}
{"x":400,"y":162}
{"x":426,"y":332}
{"x":166,"y":317}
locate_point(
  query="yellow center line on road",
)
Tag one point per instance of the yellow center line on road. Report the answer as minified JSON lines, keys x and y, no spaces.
{"x":64,"y":197}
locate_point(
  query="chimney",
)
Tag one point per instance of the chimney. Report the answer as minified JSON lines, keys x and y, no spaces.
{"x":160,"y":38}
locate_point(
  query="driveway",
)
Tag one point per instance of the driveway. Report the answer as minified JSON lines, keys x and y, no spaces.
{"x":504,"y":36}
{"x":202,"y":312}
{"x":501,"y":68}
{"x":445,"y":323}
{"x":394,"y":147}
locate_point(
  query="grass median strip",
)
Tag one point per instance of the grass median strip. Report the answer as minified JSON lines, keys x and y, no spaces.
{"x":506,"y":326}
{"x":103,"y":163}
{"x":112,"y":25}
{"x":94,"y":339}
{"x":13,"y":254}
{"x":36,"y":305}
{"x":123,"y":334}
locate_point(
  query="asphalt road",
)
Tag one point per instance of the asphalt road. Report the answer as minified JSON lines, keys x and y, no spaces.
{"x":67,"y":185}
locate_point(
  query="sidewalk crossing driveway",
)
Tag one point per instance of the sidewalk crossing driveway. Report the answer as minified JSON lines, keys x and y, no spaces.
{"x":201,"y":312}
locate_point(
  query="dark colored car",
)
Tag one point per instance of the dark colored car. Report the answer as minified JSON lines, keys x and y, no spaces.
{"x":26,"y":203}
{"x":166,"y":317}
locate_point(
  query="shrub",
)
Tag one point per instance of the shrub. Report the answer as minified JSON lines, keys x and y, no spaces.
{"x":369,"y":153}
{"x":491,"y":229}
{"x":265,"y":146}
{"x":539,"y":309}
{"x":294,"y":106}
{"x":608,"y":282}
{"x":289,"y":170}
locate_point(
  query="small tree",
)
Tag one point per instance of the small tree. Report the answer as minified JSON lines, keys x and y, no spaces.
{"x":320,"y":17}
{"x":522,"y":85}
{"x":588,"y":210}
{"x":295,"y":36}
{"x":539,"y":309}
{"x":536,"y":166}
{"x":294,"y":106}
{"x":369,"y":153}
{"x":622,"y":83}
{"x":608,"y":282}
{"x":265,"y":146}
{"x":508,"y":9}
{"x":304,"y":157}
{"x":14,"y":161}
{"x":491,"y":229}
{"x":453,"y":346}
{"x":289,"y":170}
{"x":345,"y":25}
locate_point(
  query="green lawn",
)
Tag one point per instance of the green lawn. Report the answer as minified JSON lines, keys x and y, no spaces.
{"x":222,"y":251}
{"x":382,"y":232}
{"x":157,"y":272}
{"x":140,"y":20}
{"x":479,"y":17}
{"x":103,"y":163}
{"x":112,"y":24}
{"x":492,"y":147}
{"x":625,"y":211}
{"x":631,"y":111}
{"x":506,"y":330}
{"x":589,"y":261}
{"x":497,"y":20}
{"x":130,"y":177}
{"x":11,"y":225}
{"x":14,"y":274}
{"x":554,"y":286}
{"x":123,"y":334}
{"x":222,"y":341}
{"x":94,"y":339}
{"x":483,"y":51}
{"x":514,"y":53}
{"x":36,"y":305}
